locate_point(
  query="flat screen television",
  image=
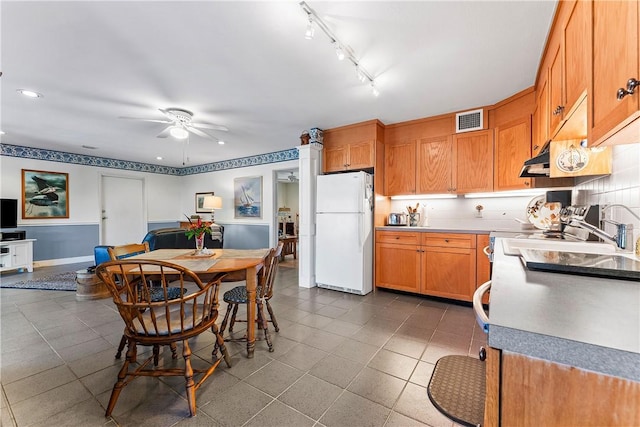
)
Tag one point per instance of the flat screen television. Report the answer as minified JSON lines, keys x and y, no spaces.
{"x":8,"y":213}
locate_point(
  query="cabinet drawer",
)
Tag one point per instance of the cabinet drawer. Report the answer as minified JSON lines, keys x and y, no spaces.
{"x":466,"y":241}
{"x":400,"y":237}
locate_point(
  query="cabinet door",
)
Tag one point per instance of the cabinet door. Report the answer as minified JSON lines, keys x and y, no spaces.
{"x":334,"y":158}
{"x":615,"y":61}
{"x":400,"y":169}
{"x":20,"y":254}
{"x":483,"y":266}
{"x":555,"y":89}
{"x":435,"y":165}
{"x":512,"y":148}
{"x":474,"y":161}
{"x":398,"y":267}
{"x":576,"y":53}
{"x":543,"y":116}
{"x":449,"y":272}
{"x":361,"y":155}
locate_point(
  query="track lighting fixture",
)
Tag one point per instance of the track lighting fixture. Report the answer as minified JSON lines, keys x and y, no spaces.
{"x":342,"y":50}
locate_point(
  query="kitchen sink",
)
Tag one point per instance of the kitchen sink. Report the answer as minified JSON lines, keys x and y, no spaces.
{"x":513,"y":246}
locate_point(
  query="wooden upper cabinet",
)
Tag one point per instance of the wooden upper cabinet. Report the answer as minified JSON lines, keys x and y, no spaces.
{"x":542,"y":112}
{"x":473,"y":161}
{"x":361,"y":155}
{"x":351,"y":147}
{"x":400,"y":168}
{"x":615,"y":61}
{"x":576,"y":53}
{"x":556,"y":100}
{"x":435,"y":165}
{"x":334,"y":158}
{"x":512,"y":147}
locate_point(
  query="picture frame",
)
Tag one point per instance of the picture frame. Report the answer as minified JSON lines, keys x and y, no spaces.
{"x":247,"y":197}
{"x":45,"y":194}
{"x":200,"y":202}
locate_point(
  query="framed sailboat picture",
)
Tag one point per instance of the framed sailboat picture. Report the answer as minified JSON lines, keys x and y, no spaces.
{"x":247,"y":197}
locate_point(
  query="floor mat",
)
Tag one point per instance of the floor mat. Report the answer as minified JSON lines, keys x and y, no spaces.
{"x":457,"y":389}
{"x":58,"y":282}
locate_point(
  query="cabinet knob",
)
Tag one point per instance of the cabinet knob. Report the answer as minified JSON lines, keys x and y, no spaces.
{"x":527,"y":183}
{"x":446,"y":240}
{"x":535,"y":147}
{"x":558,"y":110}
{"x":630,"y":90}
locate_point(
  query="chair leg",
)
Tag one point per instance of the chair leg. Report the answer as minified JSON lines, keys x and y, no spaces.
{"x":273,"y":317}
{"x":188,"y":376}
{"x":226,"y":317}
{"x":174,"y":352}
{"x":220,"y":344}
{"x":123,"y":342}
{"x":265,"y":325}
{"x":156,"y":354}
{"x":233,"y":317}
{"x":122,"y":375}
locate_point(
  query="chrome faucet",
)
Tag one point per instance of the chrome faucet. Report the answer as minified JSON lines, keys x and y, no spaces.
{"x":623,"y":238}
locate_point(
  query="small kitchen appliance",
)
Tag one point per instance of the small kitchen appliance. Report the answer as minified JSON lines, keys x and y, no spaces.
{"x":397,"y":219}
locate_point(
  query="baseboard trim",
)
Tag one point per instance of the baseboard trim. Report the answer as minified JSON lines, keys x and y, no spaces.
{"x":62,"y":261}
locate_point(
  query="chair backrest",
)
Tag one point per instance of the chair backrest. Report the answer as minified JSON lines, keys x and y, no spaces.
{"x":154,"y":321}
{"x":267,"y":278}
{"x":125,"y":251}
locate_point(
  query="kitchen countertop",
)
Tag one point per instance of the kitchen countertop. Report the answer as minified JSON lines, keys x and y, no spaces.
{"x":587,"y":322}
{"x":446,"y":229}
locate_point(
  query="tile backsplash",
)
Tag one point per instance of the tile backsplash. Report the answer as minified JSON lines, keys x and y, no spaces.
{"x":621,"y":187}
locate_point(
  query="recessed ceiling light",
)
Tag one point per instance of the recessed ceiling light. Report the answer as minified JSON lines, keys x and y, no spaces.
{"x":159,"y":158}
{"x":221,"y":142}
{"x":29,"y":93}
{"x":1,"y":132}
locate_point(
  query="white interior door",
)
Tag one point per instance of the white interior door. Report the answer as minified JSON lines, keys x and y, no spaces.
{"x":123,"y":213}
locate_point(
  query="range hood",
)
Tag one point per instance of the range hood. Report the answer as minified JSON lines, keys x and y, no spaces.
{"x":539,"y":165}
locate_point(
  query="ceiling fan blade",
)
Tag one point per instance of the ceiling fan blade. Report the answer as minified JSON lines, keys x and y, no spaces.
{"x":165,"y":133}
{"x":198,"y":132}
{"x":209,"y":126}
{"x":145,"y":120}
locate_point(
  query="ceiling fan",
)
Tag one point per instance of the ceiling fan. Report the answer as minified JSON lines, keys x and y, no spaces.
{"x":181,"y":124}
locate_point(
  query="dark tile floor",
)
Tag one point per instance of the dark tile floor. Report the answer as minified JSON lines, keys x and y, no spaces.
{"x":339,"y":360}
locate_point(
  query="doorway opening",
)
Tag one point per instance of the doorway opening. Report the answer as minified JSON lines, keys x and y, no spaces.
{"x":287,"y":210}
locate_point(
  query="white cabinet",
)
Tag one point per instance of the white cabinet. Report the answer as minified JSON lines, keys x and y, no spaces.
{"x":16,"y":254}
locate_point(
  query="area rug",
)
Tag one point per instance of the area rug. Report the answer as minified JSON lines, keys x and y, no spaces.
{"x":58,"y":282}
{"x":457,"y":389}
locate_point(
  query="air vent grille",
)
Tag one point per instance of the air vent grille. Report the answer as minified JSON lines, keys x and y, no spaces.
{"x":469,"y":120}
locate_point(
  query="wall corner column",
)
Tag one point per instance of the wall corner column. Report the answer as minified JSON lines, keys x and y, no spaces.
{"x":309,"y":164}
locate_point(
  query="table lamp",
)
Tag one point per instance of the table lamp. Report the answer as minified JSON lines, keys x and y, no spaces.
{"x":213,"y":203}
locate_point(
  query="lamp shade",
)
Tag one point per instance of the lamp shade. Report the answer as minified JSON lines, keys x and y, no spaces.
{"x":212,"y":202}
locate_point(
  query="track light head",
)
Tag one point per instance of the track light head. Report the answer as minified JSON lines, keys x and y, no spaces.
{"x":361,"y":75}
{"x":308,"y":34}
{"x":374,"y":90}
{"x":339,"y":52}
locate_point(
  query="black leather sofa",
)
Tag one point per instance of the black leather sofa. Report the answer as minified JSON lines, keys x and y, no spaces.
{"x":175,"y":238}
{"x":168,"y":238}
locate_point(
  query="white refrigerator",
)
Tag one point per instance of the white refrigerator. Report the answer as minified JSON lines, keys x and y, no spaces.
{"x":344,"y":232}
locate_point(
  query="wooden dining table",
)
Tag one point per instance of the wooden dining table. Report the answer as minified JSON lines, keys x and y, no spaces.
{"x":247,"y":261}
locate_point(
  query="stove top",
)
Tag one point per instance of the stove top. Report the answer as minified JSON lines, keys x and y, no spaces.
{"x":612,"y":266}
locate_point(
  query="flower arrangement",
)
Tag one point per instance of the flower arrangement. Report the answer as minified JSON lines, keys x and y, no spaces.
{"x":197,"y":229}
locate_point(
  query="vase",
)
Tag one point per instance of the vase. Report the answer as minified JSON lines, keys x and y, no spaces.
{"x":199,"y":243}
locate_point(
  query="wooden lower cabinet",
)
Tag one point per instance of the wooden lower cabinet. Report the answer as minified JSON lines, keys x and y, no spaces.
{"x":525,"y":391}
{"x":437,"y":264}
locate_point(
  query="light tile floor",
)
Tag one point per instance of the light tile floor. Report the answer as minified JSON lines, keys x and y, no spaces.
{"x":339,"y":360}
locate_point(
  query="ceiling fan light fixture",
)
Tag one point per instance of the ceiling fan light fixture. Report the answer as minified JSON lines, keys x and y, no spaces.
{"x":179,"y":132}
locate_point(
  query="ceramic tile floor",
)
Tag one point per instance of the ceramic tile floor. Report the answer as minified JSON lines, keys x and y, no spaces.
{"x":339,"y":360}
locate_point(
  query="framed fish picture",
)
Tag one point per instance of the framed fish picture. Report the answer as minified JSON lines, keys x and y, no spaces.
{"x":247,"y":197}
{"x":45,"y":194}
